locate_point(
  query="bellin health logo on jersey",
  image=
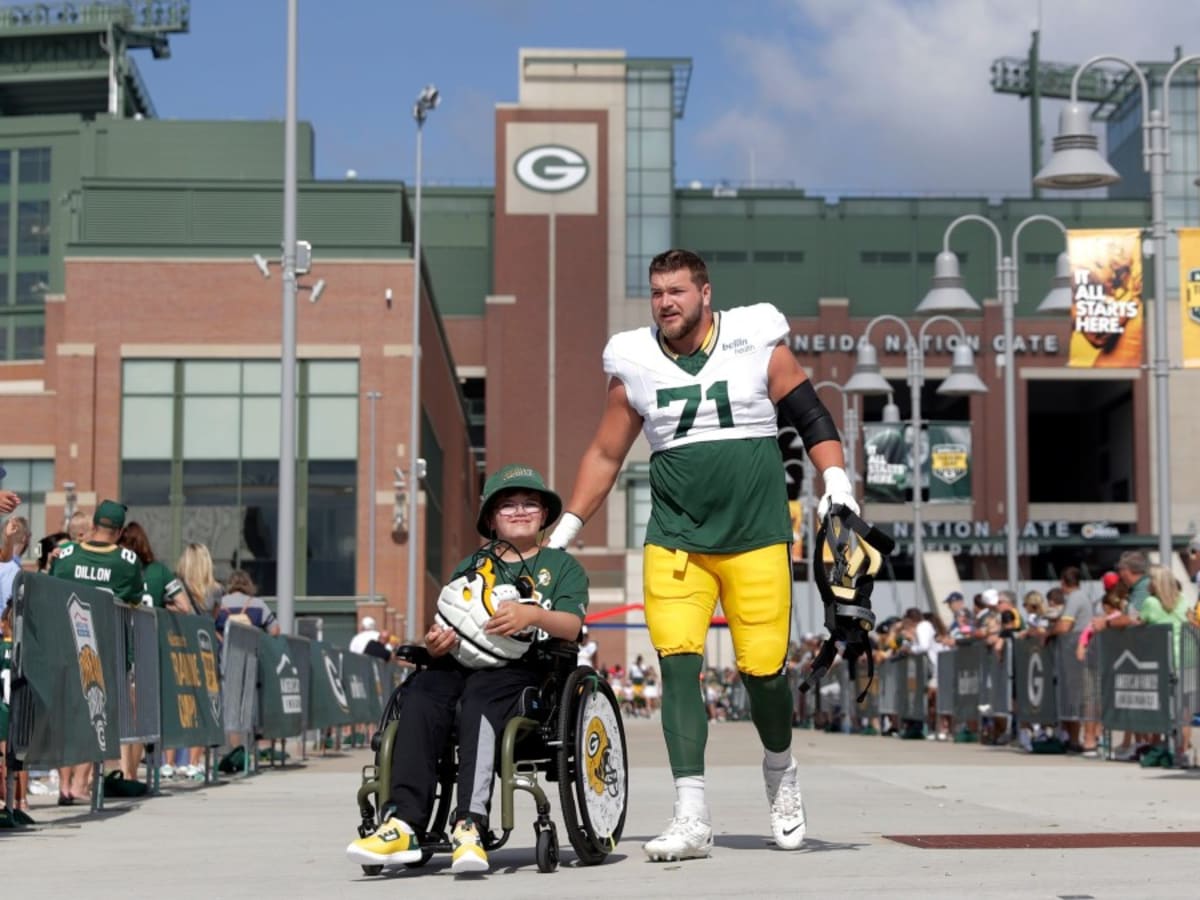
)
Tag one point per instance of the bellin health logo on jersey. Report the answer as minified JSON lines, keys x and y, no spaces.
{"x":91,"y":673}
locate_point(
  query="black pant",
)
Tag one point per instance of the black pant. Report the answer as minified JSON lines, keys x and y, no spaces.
{"x":484,"y":701}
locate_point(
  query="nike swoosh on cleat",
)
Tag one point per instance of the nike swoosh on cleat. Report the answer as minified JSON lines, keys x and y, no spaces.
{"x":792,"y":830}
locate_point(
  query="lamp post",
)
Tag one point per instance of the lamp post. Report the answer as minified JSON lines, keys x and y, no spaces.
{"x":285,"y":575}
{"x":1077,"y":163}
{"x":427,"y":101}
{"x":372,"y":399}
{"x":867,"y":379}
{"x":944,"y":298}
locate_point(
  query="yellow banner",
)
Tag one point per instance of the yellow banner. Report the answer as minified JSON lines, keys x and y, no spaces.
{"x":1107,"y":316}
{"x":1189,"y":294}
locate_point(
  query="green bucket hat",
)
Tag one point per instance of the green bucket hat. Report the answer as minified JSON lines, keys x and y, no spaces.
{"x":509,"y":478}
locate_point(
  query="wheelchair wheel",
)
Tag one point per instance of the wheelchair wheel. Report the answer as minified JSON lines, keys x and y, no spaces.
{"x":547,"y":850}
{"x":593,"y":770}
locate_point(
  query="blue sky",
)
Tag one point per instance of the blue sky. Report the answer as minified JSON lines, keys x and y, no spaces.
{"x":836,"y":96}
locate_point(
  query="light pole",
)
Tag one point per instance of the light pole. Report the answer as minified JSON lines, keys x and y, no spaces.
{"x":1077,"y":163}
{"x":867,"y":379}
{"x":942,"y":298}
{"x":427,"y":101}
{"x":372,"y":398}
{"x":285,"y":574}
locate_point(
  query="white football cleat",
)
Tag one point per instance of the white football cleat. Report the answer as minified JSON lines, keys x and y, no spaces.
{"x":686,"y":837}
{"x":788,"y":824}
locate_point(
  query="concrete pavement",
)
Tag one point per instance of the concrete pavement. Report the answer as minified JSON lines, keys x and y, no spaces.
{"x":283,"y":832}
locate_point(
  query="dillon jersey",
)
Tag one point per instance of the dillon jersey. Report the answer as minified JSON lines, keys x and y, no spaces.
{"x":106,"y":566}
{"x":726,"y":400}
{"x":716,"y":474}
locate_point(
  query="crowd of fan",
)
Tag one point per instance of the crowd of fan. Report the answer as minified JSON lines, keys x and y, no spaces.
{"x":1133,"y":595}
{"x":191,"y":587}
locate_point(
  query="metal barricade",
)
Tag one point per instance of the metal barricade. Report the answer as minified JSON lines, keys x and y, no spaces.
{"x":1189,"y":673}
{"x":1078,"y":688}
{"x":995,"y":674}
{"x":967,"y":682}
{"x":946,"y":668}
{"x":891,"y":687}
{"x":239,"y":678}
{"x":914,"y":669}
{"x":138,"y":702}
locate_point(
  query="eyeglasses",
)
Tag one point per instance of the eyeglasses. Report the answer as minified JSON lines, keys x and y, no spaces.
{"x":513,"y":507}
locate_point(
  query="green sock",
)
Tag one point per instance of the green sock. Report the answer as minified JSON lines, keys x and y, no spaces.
{"x":771,"y":709}
{"x":684,"y":720}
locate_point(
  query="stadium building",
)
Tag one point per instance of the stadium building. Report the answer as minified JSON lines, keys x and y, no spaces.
{"x":141,"y":345}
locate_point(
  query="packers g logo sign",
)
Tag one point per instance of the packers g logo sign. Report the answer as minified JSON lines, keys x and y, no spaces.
{"x":551,"y":168}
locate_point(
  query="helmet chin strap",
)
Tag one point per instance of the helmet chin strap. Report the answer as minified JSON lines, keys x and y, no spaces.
{"x":845,"y":589}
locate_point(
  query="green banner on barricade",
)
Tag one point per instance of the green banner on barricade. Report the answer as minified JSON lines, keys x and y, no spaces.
{"x":190,"y":688}
{"x":66,"y":650}
{"x":329,"y":705}
{"x":358,"y":677}
{"x":968,"y":658}
{"x":1034,"y":670}
{"x":281,"y":697}
{"x":1135,"y":678}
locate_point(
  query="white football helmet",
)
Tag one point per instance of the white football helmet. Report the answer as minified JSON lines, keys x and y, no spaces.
{"x":466,"y":604}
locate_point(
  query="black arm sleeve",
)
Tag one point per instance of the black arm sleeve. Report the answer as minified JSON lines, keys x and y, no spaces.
{"x":804,"y":411}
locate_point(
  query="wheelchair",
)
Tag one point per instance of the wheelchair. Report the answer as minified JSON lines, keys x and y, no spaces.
{"x":572,"y":736}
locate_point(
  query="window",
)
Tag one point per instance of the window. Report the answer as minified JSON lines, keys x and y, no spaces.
{"x":34,"y":167}
{"x":779,"y":256}
{"x":31,"y":478}
{"x":649,"y":165}
{"x":200,"y":462}
{"x":33,"y":228}
{"x":1041,"y":259}
{"x":31,"y":288}
{"x":885,"y":257}
{"x":24,"y":276}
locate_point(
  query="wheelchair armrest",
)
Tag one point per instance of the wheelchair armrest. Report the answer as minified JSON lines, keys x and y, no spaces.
{"x":557,"y":650}
{"x":415,"y":654}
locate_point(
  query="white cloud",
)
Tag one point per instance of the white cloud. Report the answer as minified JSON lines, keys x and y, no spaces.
{"x":893,"y":95}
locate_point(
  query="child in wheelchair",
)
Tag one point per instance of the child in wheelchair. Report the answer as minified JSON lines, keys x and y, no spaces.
{"x":506,"y":595}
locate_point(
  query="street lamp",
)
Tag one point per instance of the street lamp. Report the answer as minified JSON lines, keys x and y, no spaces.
{"x":1006,"y":287}
{"x":1077,"y":163}
{"x":427,"y":101}
{"x":867,"y":379}
{"x":285,"y":565}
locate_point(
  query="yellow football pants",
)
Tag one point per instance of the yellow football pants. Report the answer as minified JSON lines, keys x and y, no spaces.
{"x":755,"y":589}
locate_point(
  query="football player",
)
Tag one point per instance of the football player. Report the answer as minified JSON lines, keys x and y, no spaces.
{"x":478,"y":660}
{"x":707,"y":389}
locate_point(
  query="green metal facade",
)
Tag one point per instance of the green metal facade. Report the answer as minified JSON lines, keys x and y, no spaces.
{"x":793,"y":250}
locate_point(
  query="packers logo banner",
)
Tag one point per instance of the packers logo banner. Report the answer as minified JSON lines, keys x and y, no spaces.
{"x":1107,"y":316}
{"x":1189,"y":294}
